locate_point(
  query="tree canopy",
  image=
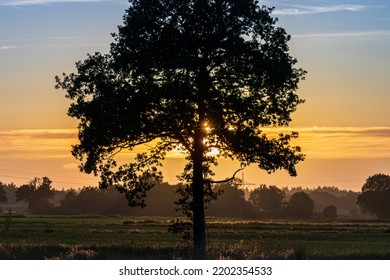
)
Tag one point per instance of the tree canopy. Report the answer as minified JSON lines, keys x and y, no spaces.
{"x":268,"y":200}
{"x":37,"y":194}
{"x":375,"y":196}
{"x":3,"y":194}
{"x":300,"y":205}
{"x":330,"y":211}
{"x":195,"y":75}
{"x":230,"y":203}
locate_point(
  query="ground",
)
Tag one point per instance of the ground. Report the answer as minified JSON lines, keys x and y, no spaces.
{"x":117,"y":237}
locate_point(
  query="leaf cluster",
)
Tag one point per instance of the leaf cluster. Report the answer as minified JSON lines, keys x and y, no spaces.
{"x":375,"y":195}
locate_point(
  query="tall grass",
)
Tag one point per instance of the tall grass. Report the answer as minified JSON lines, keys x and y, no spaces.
{"x":148,"y":238}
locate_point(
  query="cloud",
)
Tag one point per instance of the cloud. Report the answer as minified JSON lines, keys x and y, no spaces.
{"x":40,"y":133}
{"x":40,"y":2}
{"x":71,"y":166}
{"x":347,"y":153}
{"x":21,"y":144}
{"x":9,"y":47}
{"x":349,"y":35}
{"x":316,"y":142}
{"x":39,"y":42}
{"x":341,"y":142}
{"x":61,"y":38}
{"x":296,"y":10}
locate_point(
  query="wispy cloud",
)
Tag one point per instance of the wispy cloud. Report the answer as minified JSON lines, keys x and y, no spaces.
{"x":36,"y":143}
{"x":366,"y":34}
{"x":60,"y":38}
{"x":29,"y":153}
{"x":297,"y":10}
{"x":317,"y":142}
{"x":40,"y":2}
{"x":48,"y":41}
{"x":342,"y":142}
{"x":9,"y":47}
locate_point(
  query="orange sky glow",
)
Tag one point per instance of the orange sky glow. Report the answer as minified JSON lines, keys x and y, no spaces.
{"x":336,"y":151}
{"x":344,"y":125}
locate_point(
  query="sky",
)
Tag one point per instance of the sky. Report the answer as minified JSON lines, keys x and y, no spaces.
{"x":344,"y":124}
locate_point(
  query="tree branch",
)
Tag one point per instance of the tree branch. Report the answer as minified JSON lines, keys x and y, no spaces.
{"x":226,"y":180}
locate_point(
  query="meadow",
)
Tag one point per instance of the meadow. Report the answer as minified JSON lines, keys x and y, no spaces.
{"x":117,"y":237}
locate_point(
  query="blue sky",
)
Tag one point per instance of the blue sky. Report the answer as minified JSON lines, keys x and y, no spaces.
{"x":344,"y":46}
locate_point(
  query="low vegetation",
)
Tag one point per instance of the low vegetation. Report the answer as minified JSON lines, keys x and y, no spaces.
{"x":98,"y":237}
{"x":38,"y":198}
{"x":91,"y":223}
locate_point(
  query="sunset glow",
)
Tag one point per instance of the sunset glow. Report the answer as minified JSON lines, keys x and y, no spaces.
{"x":344,"y":125}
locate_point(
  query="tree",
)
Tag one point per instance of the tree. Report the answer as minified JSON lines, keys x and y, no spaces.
{"x":268,"y":200}
{"x":300,"y":205}
{"x":37,"y":194}
{"x":3,"y":193}
{"x":195,"y":75}
{"x":375,"y":196}
{"x":330,"y":211}
{"x":230,"y":203}
{"x":69,"y":204}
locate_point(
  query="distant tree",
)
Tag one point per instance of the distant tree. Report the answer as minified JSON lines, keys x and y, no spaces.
{"x":268,"y":200}
{"x":375,"y":196}
{"x":161,"y":200}
{"x":25,"y":193}
{"x":88,"y":200}
{"x":68,"y":205}
{"x":231,"y":203}
{"x":37,"y":194}
{"x":198,"y":75}
{"x":330,"y":211}
{"x":69,"y":198}
{"x":300,"y":205}
{"x":3,"y":193}
{"x":10,"y":190}
{"x":323,"y":198}
{"x":93,"y":200}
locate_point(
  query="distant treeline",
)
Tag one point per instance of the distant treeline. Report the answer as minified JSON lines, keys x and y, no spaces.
{"x":38,"y":197}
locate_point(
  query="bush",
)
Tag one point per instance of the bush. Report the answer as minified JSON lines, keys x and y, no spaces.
{"x":330,"y":211}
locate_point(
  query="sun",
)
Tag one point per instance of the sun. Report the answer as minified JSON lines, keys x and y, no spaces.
{"x":213,"y":152}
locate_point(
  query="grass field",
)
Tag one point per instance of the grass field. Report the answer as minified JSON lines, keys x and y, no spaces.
{"x":148,"y":238}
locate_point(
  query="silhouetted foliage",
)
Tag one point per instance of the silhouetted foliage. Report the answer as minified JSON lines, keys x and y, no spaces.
{"x":300,"y":205}
{"x":230,"y":203}
{"x":37,"y":194}
{"x":195,"y":74}
{"x":3,"y":193}
{"x":96,"y":201}
{"x":330,"y":211}
{"x":10,"y":190}
{"x":323,"y":199}
{"x":268,"y":201}
{"x":375,"y":196}
{"x":323,"y":196}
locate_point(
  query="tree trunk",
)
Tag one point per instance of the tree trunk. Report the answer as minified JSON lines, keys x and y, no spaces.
{"x":198,"y":211}
{"x":199,"y":223}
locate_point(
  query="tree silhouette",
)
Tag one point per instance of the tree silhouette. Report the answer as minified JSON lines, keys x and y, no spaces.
{"x":195,"y":75}
{"x":330,"y":211}
{"x":3,"y":193}
{"x":268,"y":200}
{"x":375,"y":196}
{"x":37,"y":194}
{"x":230,"y":203}
{"x":300,"y":205}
